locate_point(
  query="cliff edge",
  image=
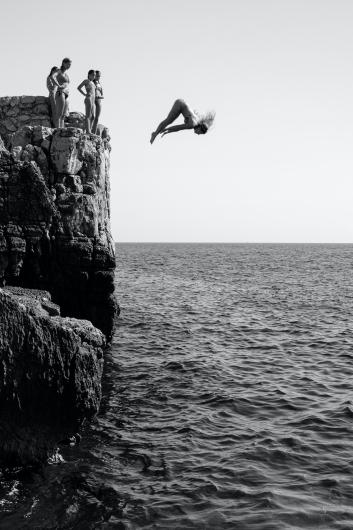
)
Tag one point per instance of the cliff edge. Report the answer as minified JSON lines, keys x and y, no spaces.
{"x":55,"y":211}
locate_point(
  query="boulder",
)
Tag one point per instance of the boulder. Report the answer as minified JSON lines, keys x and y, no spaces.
{"x":50,"y":375}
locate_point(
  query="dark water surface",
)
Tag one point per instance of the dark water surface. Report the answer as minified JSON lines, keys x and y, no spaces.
{"x":227,"y":398}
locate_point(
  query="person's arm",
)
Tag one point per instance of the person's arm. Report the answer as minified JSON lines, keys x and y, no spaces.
{"x":79,"y":88}
{"x":176,"y":128}
{"x":55,"y":81}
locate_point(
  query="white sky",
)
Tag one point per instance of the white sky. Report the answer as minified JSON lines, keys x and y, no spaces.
{"x":278,"y":164}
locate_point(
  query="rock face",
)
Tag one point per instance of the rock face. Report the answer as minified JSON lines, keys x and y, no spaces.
{"x":54,"y":213}
{"x":54,"y":238}
{"x":50,"y":375}
{"x":17,"y":111}
{"x":77,"y":119}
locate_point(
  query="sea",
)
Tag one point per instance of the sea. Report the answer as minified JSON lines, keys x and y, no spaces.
{"x":227,"y":398}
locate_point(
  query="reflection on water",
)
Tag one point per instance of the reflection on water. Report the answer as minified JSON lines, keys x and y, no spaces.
{"x":227,"y":398}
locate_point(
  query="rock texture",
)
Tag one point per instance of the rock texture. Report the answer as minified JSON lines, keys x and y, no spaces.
{"x":54,"y":236}
{"x":55,"y":210}
{"x":50,"y":373}
{"x":17,"y":111}
{"x":77,"y":119}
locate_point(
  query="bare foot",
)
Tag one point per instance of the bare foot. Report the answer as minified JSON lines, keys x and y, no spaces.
{"x":153,"y":137}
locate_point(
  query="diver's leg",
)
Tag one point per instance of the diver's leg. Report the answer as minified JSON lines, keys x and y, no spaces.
{"x":172,"y":116}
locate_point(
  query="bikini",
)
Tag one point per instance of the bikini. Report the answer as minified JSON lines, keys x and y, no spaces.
{"x":61,"y":91}
{"x":99,"y":91}
{"x":189,"y":120}
{"x":90,"y":89}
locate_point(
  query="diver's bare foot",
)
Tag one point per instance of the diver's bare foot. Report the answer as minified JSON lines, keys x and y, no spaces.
{"x":153,"y":137}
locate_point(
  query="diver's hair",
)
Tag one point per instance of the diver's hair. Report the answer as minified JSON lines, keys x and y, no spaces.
{"x":91,"y":72}
{"x":54,"y":69}
{"x":98,"y":72}
{"x":206,"y":121}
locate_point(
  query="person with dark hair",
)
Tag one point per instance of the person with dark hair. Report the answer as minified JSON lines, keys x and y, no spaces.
{"x":61,"y":79}
{"x":192,"y":120}
{"x":89,"y":98}
{"x":51,"y":86}
{"x":97,"y":101}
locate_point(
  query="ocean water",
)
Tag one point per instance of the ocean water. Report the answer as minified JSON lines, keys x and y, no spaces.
{"x":227,"y":398}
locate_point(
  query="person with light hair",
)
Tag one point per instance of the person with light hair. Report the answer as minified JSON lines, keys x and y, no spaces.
{"x":97,"y":101}
{"x":192,"y":120}
{"x":90,"y":88}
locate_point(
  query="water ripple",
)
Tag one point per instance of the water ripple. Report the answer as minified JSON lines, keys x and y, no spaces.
{"x":227,"y":398}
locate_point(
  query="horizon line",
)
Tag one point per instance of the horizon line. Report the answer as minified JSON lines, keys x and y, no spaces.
{"x":231,"y":243}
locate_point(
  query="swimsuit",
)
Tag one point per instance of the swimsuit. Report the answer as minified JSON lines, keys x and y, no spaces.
{"x":90,"y":89}
{"x":99,"y":91}
{"x":64,"y":90}
{"x":89,"y":99}
{"x":61,"y":91}
{"x":190,"y":120}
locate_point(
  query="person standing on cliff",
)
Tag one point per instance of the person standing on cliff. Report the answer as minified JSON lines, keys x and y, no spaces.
{"x":52,"y":87}
{"x":98,"y":101}
{"x":89,"y":98}
{"x":61,"y":79}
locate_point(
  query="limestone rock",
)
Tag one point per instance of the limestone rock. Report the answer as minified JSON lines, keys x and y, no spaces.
{"x":77,"y":120}
{"x":54,"y":218}
{"x":18,"y":111}
{"x":2,"y":145}
{"x":54,"y":236}
{"x":64,"y":151}
{"x":50,"y":375}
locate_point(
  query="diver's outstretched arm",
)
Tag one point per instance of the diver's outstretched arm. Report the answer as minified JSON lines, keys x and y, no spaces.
{"x":175,"y":128}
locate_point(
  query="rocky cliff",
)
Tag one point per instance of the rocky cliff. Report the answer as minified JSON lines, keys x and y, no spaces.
{"x":56,"y":251}
{"x":50,"y":375}
{"x":54,"y":211}
{"x":15,"y":112}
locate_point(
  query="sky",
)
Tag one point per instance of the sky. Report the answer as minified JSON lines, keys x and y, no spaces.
{"x":278,"y":164}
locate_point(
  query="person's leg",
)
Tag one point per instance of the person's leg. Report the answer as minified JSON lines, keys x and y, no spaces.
{"x":66,"y":109}
{"x":98,"y":105}
{"x":88,"y":105}
{"x":93,"y":110}
{"x":53,"y":109}
{"x":172,"y":116}
{"x":60,"y":109}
